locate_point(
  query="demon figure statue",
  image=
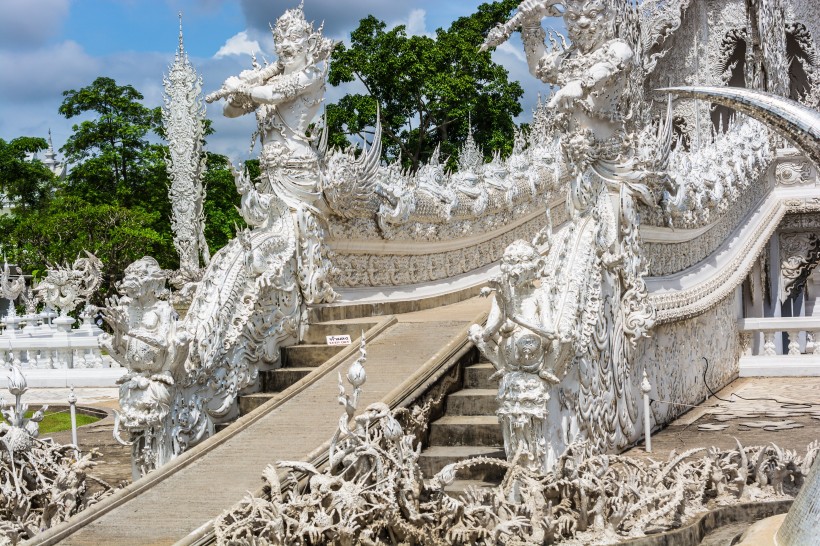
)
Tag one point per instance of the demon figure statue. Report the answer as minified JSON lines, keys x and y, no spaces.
{"x":286,"y":96}
{"x":573,"y":337}
{"x":146,"y":342}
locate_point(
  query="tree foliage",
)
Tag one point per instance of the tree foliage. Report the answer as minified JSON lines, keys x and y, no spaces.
{"x":25,"y":183}
{"x":111,"y":156}
{"x":114,"y":201}
{"x":67,"y":225}
{"x":221,"y":202}
{"x":426,"y":88}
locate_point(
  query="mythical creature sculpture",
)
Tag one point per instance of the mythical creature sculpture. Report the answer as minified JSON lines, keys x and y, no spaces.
{"x":522,"y":342}
{"x":146,"y":342}
{"x":64,"y":287}
{"x":591,"y":304}
{"x":185,"y":376}
{"x":11,"y":289}
{"x":286,"y":96}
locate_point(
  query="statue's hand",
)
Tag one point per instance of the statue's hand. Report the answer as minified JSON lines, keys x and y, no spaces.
{"x":532,"y":11}
{"x":116,"y":318}
{"x":476,"y":334}
{"x":233,"y":84}
{"x":567,"y":96}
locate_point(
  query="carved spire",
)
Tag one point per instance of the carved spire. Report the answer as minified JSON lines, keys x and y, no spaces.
{"x":182,"y":116}
{"x":50,"y":161}
{"x":470,"y":157}
{"x":181,"y":48}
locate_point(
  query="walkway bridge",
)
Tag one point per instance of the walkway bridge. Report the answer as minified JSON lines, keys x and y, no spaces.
{"x":407,"y":353}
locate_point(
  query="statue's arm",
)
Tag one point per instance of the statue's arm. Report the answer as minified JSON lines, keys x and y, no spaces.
{"x":599,"y":74}
{"x":543,"y":64}
{"x":287,"y":87}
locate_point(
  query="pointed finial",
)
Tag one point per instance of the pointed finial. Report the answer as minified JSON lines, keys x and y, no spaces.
{"x":181,"y":47}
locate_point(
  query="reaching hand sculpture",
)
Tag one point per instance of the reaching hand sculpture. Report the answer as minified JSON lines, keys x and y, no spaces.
{"x":146,"y":342}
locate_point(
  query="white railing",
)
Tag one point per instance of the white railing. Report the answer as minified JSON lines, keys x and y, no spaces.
{"x":793,"y":326}
{"x":47,"y":346}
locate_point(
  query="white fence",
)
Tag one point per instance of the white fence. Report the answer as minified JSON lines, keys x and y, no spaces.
{"x":798,"y":355}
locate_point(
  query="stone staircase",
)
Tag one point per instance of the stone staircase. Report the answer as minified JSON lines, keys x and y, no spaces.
{"x":299,"y":360}
{"x":469,"y":428}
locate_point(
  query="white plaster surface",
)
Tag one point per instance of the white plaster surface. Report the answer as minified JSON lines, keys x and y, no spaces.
{"x":64,"y":378}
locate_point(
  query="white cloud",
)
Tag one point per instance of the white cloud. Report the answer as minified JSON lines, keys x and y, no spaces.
{"x":416,"y":24}
{"x":47,"y":72}
{"x":239,"y":44}
{"x":508,"y":49}
{"x":25,"y":24}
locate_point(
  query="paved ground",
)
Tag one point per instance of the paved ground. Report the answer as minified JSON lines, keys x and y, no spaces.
{"x":205,"y":488}
{"x":780,"y":410}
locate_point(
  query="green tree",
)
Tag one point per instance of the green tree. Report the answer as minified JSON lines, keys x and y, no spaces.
{"x":67,"y":225}
{"x":221,"y":200}
{"x":116,"y":172}
{"x":426,"y":88}
{"x":111,"y":158}
{"x":25,"y":183}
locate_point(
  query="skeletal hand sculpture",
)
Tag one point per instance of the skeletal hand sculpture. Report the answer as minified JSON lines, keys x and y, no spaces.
{"x":372,"y":491}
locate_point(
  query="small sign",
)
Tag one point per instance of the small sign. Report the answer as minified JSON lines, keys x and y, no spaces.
{"x":338,"y":340}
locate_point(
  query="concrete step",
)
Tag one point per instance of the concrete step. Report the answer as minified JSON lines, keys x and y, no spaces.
{"x":249,"y":402}
{"x":273,"y":381}
{"x":466,"y":430}
{"x":434,"y":458}
{"x":459,"y":487}
{"x":478,"y":375}
{"x":472,"y":402}
{"x":310,"y":355}
{"x":317,"y":333}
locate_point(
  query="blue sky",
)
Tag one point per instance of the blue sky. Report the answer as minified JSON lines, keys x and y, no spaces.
{"x":48,"y":46}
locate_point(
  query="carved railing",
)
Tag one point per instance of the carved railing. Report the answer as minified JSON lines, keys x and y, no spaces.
{"x":59,"y":351}
{"x":792,"y":326}
{"x":51,"y":346}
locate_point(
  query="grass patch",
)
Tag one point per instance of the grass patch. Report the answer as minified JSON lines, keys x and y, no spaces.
{"x":56,"y":421}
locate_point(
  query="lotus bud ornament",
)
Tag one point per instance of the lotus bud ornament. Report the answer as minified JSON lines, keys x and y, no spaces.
{"x":17,"y":382}
{"x":356,"y":374}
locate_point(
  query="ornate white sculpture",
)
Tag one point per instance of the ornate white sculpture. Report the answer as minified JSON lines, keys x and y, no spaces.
{"x":20,"y":430}
{"x":591,"y":306}
{"x":11,"y":289}
{"x":523,"y":340}
{"x":146,"y":342}
{"x":286,"y":96}
{"x":183,"y":114}
{"x":64,"y":287}
{"x":41,"y":483}
{"x":373,"y":491}
{"x":184,"y":377}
